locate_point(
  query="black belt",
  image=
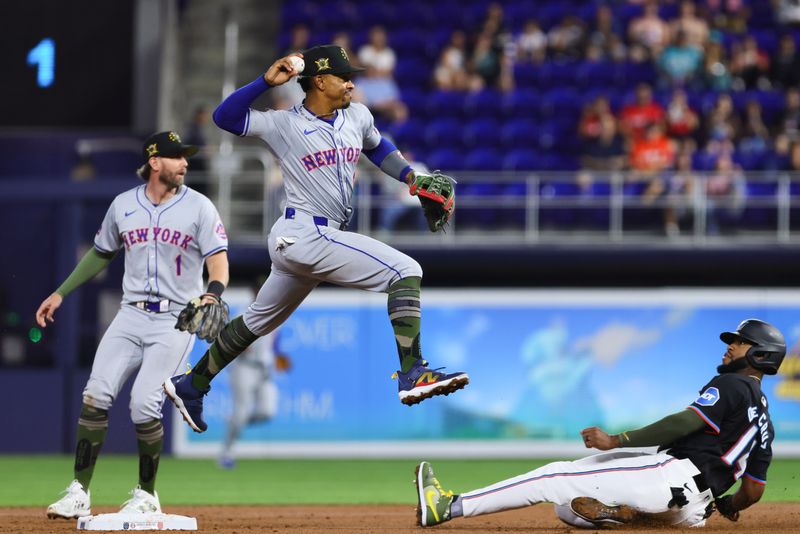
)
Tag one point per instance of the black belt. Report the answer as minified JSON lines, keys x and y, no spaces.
{"x":159,"y":306}
{"x":318,"y":219}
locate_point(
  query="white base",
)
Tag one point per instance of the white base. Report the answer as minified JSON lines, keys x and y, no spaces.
{"x":137,"y":521}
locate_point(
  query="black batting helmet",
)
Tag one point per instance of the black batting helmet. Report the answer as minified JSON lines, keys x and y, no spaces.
{"x":768,"y":348}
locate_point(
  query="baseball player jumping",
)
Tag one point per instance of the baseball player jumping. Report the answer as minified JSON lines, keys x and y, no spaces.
{"x":167,"y":231}
{"x":318,"y":144}
{"x":723,"y":436}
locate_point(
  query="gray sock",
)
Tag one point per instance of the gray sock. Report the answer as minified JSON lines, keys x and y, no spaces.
{"x":456,"y":507}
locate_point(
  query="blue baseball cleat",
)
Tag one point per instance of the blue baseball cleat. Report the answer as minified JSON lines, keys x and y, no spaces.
{"x":188,"y":399}
{"x":422,"y":382}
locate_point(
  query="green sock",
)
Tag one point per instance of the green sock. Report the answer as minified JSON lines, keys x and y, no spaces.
{"x":150,"y":440}
{"x":92,"y":427}
{"x":231,"y":342}
{"x":404,"y":313}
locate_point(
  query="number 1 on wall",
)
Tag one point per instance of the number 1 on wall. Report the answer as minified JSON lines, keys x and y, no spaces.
{"x":43,"y":56}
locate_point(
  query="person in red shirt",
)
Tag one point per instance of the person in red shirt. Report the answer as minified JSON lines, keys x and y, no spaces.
{"x":638,"y":116}
{"x":649,"y":157}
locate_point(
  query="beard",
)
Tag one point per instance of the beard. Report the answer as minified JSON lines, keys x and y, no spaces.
{"x":170,"y":179}
{"x":734,"y":366}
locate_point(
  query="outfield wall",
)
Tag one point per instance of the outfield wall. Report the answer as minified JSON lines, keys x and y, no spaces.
{"x":542,"y":365}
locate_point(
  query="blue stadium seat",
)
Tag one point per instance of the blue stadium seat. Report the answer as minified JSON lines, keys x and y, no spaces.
{"x":443,"y":133}
{"x":519,"y":133}
{"x":562,"y":103}
{"x":445,"y":104}
{"x":639,"y":72}
{"x":411,"y":72}
{"x":446,"y":159}
{"x":483,"y":159}
{"x":482,"y":132}
{"x":485,"y":103}
{"x":593,"y":75}
{"x":415,"y":99}
{"x":522,"y":160}
{"x":521,"y":103}
{"x":526,"y":75}
{"x":558,"y":74}
{"x":408,"y":133}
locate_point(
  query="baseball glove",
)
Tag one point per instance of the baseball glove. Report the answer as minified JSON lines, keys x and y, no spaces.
{"x":437,"y":194}
{"x":725,"y":507}
{"x":206,"y":320}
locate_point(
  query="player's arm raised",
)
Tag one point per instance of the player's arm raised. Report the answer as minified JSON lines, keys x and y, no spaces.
{"x":92,"y":263}
{"x":231,"y":114}
{"x":662,"y":432}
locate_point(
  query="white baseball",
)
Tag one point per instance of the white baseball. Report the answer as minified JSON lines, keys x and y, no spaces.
{"x":297,"y":64}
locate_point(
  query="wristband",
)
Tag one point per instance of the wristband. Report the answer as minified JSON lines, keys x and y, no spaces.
{"x":215,"y":287}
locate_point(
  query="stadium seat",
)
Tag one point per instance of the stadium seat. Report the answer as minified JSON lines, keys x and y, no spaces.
{"x":522,"y":160}
{"x":444,"y":133}
{"x":445,"y":104}
{"x":485,"y":103}
{"x":446,"y":159}
{"x":519,"y":133}
{"x":521,"y":103}
{"x":483,"y":159}
{"x":481,"y":133}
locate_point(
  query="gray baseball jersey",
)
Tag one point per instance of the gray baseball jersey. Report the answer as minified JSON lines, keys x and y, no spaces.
{"x":308,"y":243}
{"x":165,"y":247}
{"x":318,"y":159}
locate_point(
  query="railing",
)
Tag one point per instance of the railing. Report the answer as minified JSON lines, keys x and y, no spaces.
{"x":529,"y":208}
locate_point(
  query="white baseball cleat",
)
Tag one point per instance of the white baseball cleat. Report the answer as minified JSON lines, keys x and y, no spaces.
{"x":141,"y":502}
{"x":72,"y":505}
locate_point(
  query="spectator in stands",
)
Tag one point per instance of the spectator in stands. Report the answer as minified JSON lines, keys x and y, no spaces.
{"x":567,"y":40}
{"x":679,"y":64}
{"x":650,"y":156}
{"x":196,"y":135}
{"x":377,"y":85}
{"x":693,"y":27}
{"x":531,"y":44}
{"x":605,"y":35}
{"x":300,"y":40}
{"x":786,"y":64}
{"x":716,"y":73}
{"x":780,"y":157}
{"x":450,"y":73}
{"x":287,"y":95}
{"x":729,"y":16}
{"x":606,"y":152}
{"x":650,"y":30}
{"x":682,"y":121}
{"x":791,"y":115}
{"x":725,"y":194}
{"x":750,"y":65}
{"x":722,"y":123}
{"x":679,"y":190}
{"x":638,"y":116}
{"x":486,"y":62}
{"x":589,"y":126}
{"x":755,"y":139}
{"x":788,"y":12}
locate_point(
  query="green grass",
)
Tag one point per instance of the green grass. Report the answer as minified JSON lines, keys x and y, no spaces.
{"x":37,"y":480}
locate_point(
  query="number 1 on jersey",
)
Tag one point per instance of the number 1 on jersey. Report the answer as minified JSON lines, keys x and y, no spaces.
{"x":178,"y":264}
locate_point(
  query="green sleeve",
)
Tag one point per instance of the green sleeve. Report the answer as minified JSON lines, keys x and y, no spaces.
{"x":664,"y":431}
{"x":92,"y":263}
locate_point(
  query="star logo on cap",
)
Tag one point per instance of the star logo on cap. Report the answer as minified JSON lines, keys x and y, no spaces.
{"x":174,"y":137}
{"x":152,"y":150}
{"x":323,"y":64}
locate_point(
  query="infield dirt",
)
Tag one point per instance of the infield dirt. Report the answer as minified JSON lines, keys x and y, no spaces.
{"x":773,"y":518}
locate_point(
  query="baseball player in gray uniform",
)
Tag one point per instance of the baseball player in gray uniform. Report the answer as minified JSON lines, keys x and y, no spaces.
{"x":318,"y":143}
{"x":255,"y":394}
{"x":167,"y":231}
